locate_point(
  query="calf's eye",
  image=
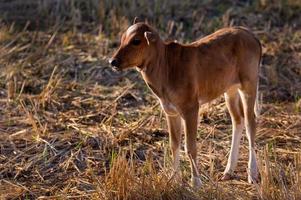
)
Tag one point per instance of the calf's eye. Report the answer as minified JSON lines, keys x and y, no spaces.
{"x":136,"y":42}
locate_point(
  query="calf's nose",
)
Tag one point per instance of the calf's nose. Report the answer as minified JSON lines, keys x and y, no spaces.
{"x":114,"y":62}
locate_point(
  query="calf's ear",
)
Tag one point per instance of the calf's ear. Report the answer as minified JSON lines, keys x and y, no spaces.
{"x":136,"y":20}
{"x":150,"y":37}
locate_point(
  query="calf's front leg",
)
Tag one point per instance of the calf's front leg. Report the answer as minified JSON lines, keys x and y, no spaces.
{"x":190,"y":117}
{"x":174,"y":129}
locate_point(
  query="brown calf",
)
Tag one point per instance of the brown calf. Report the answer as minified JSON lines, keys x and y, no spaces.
{"x":185,"y":76}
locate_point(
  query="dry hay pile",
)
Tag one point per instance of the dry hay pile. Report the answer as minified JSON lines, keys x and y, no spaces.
{"x":72,"y":128}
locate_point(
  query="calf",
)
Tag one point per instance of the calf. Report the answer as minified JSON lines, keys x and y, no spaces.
{"x":185,"y":76}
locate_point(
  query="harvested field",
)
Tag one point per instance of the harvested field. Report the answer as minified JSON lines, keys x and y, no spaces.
{"x":71,"y":128}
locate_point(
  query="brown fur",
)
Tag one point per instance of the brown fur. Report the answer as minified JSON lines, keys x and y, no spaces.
{"x":184,"y":76}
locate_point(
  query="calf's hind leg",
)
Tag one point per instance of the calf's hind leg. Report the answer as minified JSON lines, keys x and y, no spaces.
{"x":248,"y":97}
{"x":234,"y":106}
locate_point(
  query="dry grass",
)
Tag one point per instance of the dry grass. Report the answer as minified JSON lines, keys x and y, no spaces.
{"x":70,"y":128}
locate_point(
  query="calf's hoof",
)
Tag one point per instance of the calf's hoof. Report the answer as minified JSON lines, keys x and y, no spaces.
{"x":196,"y":182}
{"x":253,"y":179}
{"x":227,"y":176}
{"x":253,"y":176}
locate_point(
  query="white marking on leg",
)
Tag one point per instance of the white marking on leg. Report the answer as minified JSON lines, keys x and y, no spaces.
{"x":234,"y":152}
{"x":252,"y":166}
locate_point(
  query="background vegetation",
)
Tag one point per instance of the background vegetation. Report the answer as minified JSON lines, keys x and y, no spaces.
{"x":70,"y":127}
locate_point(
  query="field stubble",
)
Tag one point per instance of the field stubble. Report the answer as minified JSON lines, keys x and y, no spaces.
{"x":72,"y":128}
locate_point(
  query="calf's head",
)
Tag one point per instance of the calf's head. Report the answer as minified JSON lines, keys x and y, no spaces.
{"x":136,"y":47}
